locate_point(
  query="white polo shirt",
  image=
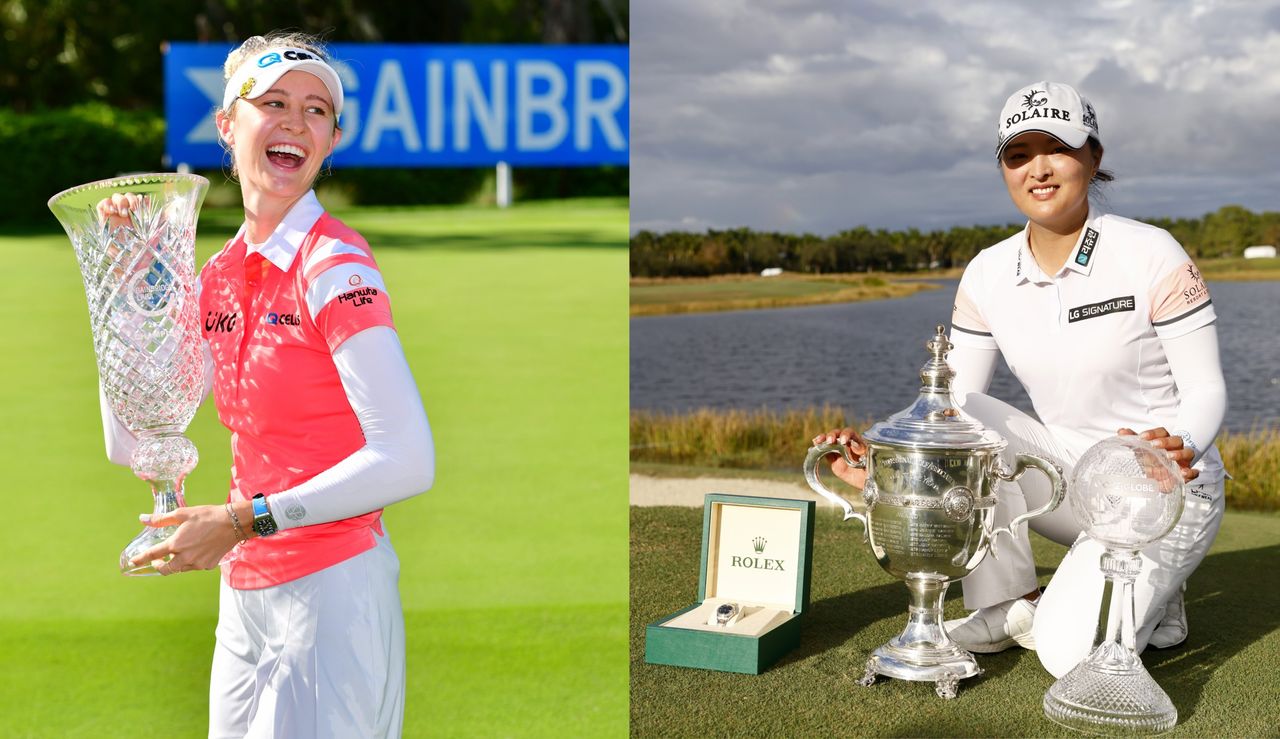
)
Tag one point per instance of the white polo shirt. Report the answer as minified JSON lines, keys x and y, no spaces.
{"x":1085,"y":342}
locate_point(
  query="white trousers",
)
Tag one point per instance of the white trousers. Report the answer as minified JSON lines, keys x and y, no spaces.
{"x":321,"y":656}
{"x":1067,"y":616}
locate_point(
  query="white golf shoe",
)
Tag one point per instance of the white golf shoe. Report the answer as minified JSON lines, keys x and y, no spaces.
{"x":995,"y":628}
{"x":1172,"y":630}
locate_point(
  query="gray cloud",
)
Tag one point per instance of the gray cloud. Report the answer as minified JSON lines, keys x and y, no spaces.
{"x":820,"y":115}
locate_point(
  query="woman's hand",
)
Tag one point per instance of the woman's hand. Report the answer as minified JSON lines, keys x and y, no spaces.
{"x":1172,"y":445}
{"x":203,"y":537}
{"x":849,"y":439}
{"x":115,"y":210}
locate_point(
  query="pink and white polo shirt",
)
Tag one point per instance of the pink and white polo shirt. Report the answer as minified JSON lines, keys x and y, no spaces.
{"x":272,"y":317}
{"x":1085,"y":342}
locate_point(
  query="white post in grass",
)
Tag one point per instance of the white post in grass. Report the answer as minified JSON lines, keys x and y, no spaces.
{"x":504,"y":184}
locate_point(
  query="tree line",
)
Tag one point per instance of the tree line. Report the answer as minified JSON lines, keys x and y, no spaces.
{"x":1225,"y":232}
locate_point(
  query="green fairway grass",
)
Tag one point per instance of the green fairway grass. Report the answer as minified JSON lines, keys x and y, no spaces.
{"x":513,"y":567}
{"x":1222,"y":679}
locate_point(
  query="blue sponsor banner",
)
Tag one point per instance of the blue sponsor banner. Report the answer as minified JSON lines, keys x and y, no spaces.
{"x":424,"y":105}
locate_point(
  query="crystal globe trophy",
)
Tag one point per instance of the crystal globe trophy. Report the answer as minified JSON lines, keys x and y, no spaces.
{"x":1126,"y":495}
{"x":139,"y":279}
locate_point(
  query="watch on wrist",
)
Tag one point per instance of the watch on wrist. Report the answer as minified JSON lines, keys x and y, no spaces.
{"x":263,"y":522}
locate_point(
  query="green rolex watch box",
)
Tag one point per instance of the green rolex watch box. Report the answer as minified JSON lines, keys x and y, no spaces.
{"x":756,"y":559}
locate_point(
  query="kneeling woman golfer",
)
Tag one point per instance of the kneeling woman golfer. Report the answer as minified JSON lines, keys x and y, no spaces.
{"x":1107,"y":324}
{"x":327,"y":428}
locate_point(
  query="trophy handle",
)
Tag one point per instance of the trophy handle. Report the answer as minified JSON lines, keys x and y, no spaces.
{"x":1051,"y":470}
{"x":811,"y":476}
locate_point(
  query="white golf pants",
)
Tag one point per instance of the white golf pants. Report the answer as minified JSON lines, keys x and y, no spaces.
{"x":320,"y":656}
{"x":1067,"y":616}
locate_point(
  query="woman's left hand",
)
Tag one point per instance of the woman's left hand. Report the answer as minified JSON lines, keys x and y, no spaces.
{"x":203,"y":537}
{"x":1160,"y":438}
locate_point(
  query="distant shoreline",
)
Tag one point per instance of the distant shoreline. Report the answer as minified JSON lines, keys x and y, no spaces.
{"x":654,"y":296}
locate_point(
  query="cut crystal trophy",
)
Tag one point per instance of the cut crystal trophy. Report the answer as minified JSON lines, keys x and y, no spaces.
{"x":139,"y":279}
{"x":1126,"y":494}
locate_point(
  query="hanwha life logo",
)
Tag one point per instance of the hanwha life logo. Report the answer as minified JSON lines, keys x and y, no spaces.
{"x":355,"y":280}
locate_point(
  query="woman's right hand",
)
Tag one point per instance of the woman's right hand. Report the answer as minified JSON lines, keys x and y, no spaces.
{"x":848,"y":438}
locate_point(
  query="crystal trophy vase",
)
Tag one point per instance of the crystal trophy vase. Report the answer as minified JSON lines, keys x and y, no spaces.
{"x":139,"y":279}
{"x":930,"y":496}
{"x":1126,"y":495}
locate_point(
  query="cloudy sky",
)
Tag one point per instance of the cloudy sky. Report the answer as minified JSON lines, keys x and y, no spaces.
{"x":820,"y":115}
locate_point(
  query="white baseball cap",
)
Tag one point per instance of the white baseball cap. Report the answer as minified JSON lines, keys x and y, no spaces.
{"x":257,"y":74}
{"x":1047,"y":107}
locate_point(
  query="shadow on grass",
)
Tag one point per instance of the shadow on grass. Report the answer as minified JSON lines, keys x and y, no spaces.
{"x":1232,"y":602}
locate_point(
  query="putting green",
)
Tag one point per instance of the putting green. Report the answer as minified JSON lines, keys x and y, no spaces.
{"x":1222,"y":679}
{"x":513,"y":566}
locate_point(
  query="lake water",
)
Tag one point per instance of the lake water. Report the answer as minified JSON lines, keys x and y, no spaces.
{"x":865,"y":356}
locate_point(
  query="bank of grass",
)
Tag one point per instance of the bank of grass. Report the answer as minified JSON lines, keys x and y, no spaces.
{"x":1239,"y":269}
{"x":659,"y":296}
{"x":1221,"y":680}
{"x":776,"y":441}
{"x":513,"y":628}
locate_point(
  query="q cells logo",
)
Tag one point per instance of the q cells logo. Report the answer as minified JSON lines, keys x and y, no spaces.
{"x":282,"y":319}
{"x":266,"y":60}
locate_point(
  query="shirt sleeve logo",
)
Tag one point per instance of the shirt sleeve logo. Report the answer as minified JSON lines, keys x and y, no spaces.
{"x":358,"y":297}
{"x":1094,"y":310}
{"x":1197,"y":291}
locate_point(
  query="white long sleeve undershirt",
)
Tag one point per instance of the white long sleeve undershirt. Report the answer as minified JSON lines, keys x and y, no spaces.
{"x":1193,"y":360}
{"x":396,"y":462}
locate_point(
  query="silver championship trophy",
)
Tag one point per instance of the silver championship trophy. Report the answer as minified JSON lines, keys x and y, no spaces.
{"x":1127,"y":495}
{"x":932,"y":473}
{"x":139,"y":278}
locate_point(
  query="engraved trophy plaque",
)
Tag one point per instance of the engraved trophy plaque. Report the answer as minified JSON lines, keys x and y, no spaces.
{"x":139,"y":279}
{"x":930,"y":496}
{"x":1126,"y":495}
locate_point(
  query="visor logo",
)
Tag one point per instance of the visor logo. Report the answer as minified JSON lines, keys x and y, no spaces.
{"x":247,"y":87}
{"x":274,"y":57}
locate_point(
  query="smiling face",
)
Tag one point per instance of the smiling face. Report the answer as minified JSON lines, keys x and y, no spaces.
{"x":281,"y":138}
{"x":1049,"y":181}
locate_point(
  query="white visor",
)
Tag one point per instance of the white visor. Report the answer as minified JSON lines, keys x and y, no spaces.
{"x":257,"y":75}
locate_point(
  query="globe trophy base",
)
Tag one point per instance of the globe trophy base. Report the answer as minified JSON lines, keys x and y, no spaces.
{"x":1108,"y":693}
{"x":923,"y":652}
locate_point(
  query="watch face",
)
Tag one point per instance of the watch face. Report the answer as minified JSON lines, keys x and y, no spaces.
{"x":723,"y":610}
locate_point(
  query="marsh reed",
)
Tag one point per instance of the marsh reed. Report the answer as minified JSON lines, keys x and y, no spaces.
{"x":764,"y":439}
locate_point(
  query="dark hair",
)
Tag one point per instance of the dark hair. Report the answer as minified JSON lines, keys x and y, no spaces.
{"x":1102,"y":176}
